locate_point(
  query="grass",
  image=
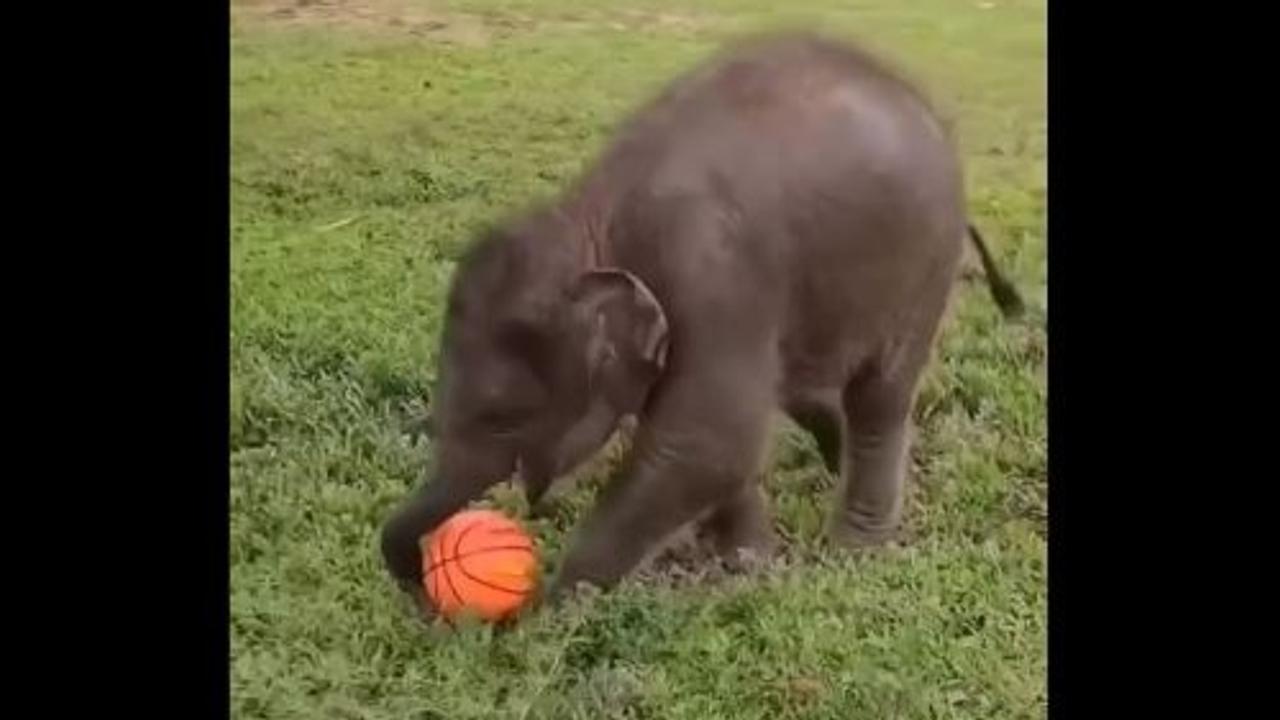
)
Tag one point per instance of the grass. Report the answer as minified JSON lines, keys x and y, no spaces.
{"x":369,"y":140}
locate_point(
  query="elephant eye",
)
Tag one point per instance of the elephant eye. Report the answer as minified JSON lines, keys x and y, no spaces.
{"x":528,"y":343}
{"x":522,"y":338}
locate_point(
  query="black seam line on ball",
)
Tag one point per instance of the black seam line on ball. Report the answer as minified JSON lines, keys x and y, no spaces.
{"x":457,"y":544}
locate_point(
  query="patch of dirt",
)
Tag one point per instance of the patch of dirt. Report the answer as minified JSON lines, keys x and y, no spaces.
{"x":664,"y":20}
{"x":402,"y":16}
{"x":422,"y":18}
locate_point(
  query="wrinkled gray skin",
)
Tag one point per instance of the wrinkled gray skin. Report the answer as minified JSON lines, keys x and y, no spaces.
{"x":780,"y":228}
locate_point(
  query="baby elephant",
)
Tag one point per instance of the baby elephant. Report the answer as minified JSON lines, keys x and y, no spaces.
{"x":782,"y":227}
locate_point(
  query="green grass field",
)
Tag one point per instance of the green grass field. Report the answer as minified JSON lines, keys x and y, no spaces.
{"x":369,"y":140}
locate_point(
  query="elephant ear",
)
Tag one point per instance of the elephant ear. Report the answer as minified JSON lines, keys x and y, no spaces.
{"x":625,"y":336}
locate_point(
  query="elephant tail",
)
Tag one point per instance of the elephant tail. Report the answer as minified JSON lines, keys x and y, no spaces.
{"x":1002,"y":291}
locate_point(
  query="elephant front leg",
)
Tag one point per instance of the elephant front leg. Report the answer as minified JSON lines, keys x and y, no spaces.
{"x":741,"y":528}
{"x":701,"y":446}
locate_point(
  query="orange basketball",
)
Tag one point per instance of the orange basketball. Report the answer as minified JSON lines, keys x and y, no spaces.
{"x":479,"y":562}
